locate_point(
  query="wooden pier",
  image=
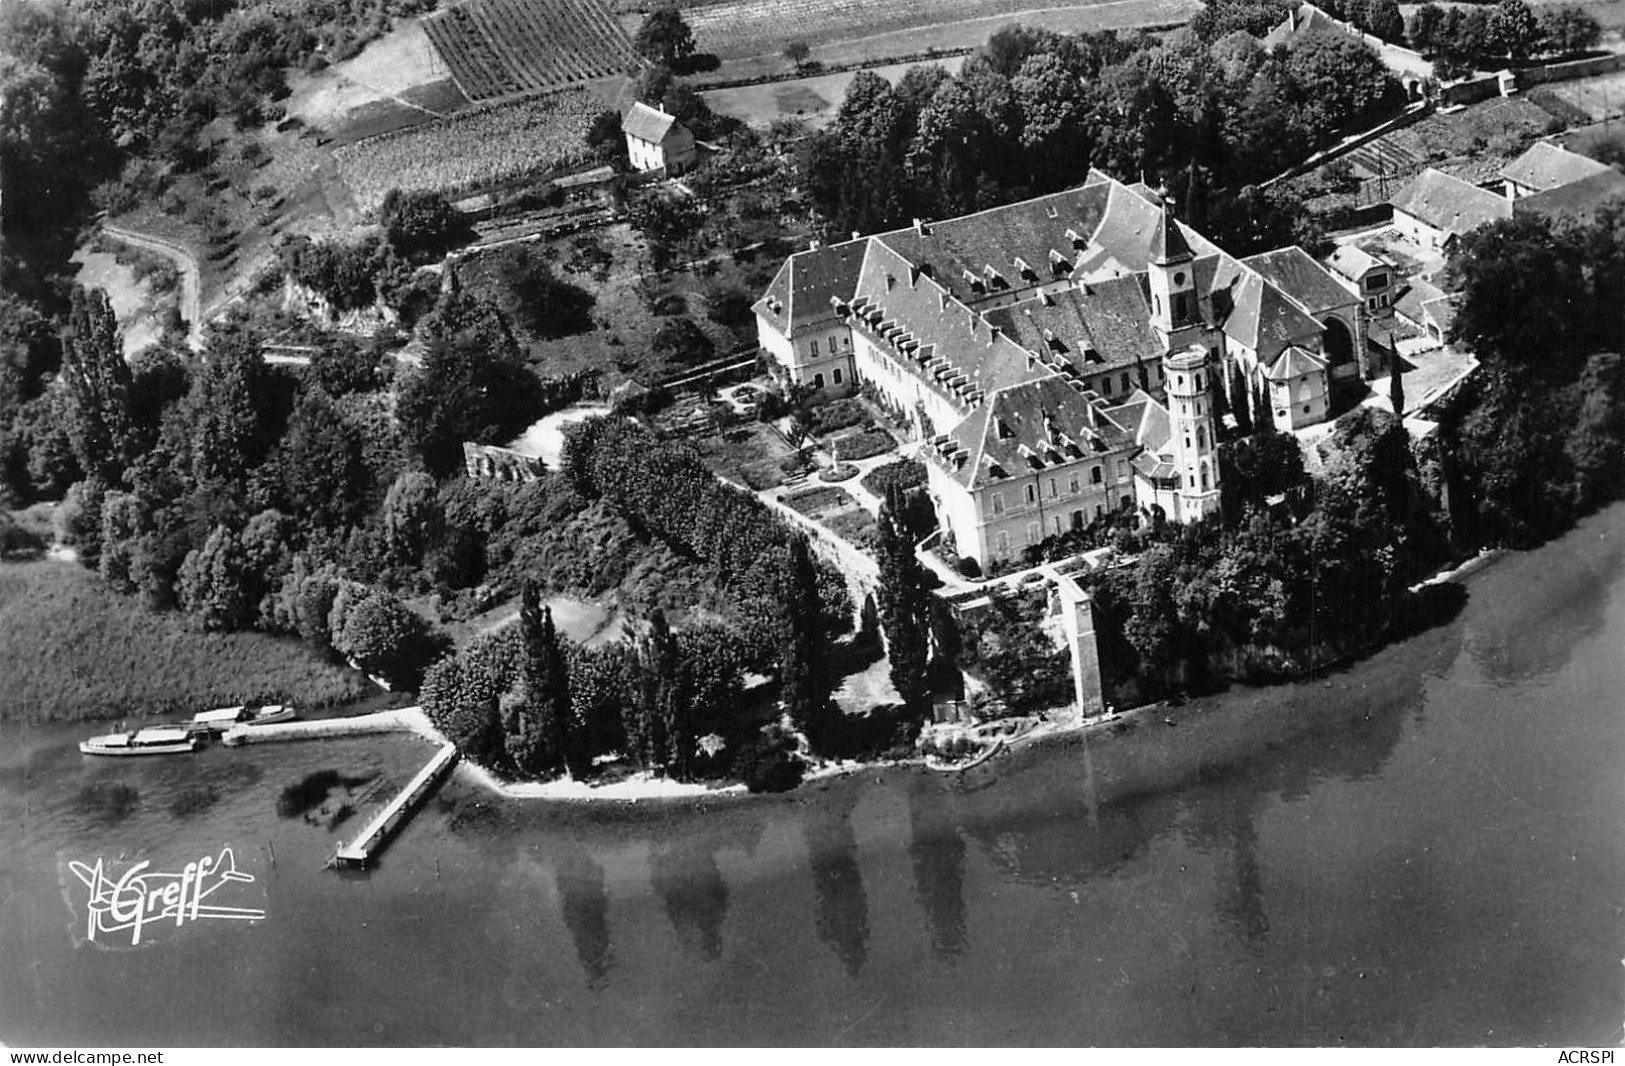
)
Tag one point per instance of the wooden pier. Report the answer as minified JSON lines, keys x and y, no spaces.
{"x":361,"y":851}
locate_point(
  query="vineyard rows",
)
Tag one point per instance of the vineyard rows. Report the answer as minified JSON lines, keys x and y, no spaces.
{"x":472,"y":150}
{"x":500,"y":47}
{"x":756,"y":27}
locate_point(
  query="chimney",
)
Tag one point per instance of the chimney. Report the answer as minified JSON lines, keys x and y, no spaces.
{"x":813,"y":245}
{"x":856,"y":234}
{"x":920,"y":228}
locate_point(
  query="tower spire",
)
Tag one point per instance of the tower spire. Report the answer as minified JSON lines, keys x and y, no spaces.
{"x":1168,"y":244}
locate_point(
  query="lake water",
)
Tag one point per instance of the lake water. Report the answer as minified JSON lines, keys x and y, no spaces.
{"x":1441,"y":862}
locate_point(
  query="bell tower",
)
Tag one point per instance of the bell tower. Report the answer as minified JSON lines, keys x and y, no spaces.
{"x":1188,"y":379}
{"x":1173,"y":282}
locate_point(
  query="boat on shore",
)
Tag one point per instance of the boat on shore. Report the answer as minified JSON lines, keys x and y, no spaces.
{"x":153,"y":740}
{"x":223,"y":718}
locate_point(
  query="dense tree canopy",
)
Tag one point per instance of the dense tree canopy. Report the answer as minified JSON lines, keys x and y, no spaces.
{"x":664,"y":37}
{"x":1031,"y":111}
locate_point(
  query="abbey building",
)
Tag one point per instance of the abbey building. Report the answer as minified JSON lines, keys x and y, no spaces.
{"x":1066,"y":356}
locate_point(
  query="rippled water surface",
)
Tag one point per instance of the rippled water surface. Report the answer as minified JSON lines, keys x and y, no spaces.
{"x":1426,"y":848}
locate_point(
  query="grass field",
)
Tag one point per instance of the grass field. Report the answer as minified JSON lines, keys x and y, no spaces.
{"x":750,"y":453}
{"x":886,"y":28}
{"x":1600,"y":97}
{"x":73,"y":649}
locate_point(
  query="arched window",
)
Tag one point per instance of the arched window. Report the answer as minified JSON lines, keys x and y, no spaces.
{"x":1032,"y":494}
{"x":1204,"y":477}
{"x":818,"y":381}
{"x":1201,"y":438}
{"x":1094,"y":475}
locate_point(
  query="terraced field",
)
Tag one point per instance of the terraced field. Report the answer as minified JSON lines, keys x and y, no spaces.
{"x":501,"y":47}
{"x":752,"y":27}
{"x":472,"y":150}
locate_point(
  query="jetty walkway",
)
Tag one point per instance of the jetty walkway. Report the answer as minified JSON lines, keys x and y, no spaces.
{"x":361,"y":851}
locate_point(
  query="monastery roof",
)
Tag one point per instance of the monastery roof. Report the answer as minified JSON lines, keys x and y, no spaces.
{"x":799,"y":293}
{"x":953,"y":349}
{"x":1295,"y":271}
{"x":1578,"y":200}
{"x":1144,"y":419}
{"x":1027,"y":428}
{"x":1450,"y":204}
{"x":1442,"y":310}
{"x":1354,"y":262}
{"x":1122,"y":243}
{"x":1546,"y":166}
{"x":647,"y":123}
{"x":1414,"y":297}
{"x":1295,"y":362}
{"x":1008,"y":247}
{"x":1266,"y":319}
{"x":1093,"y":327}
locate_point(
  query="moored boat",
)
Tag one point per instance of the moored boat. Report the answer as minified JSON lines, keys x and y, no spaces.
{"x":223,"y":718}
{"x":218,"y":720}
{"x":154,"y":740}
{"x":271,"y":712}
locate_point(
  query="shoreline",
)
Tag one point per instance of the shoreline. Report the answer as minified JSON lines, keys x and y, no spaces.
{"x":1128,"y":755}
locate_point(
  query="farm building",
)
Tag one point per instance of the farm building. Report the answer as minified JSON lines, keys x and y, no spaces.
{"x":1545,"y":166}
{"x":1435,"y":209}
{"x":1064,"y":357}
{"x":1578,"y":201}
{"x":655,"y":140}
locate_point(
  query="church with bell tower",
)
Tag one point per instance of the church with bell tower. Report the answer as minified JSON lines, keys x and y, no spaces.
{"x":1061,"y":359}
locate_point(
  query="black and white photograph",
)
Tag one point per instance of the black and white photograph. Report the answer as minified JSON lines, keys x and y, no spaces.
{"x":798,"y":524}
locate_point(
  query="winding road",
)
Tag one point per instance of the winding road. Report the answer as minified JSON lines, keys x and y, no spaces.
{"x":186,"y":263}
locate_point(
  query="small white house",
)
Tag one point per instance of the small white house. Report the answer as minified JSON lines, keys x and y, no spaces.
{"x":1436,"y":208}
{"x":655,"y":139}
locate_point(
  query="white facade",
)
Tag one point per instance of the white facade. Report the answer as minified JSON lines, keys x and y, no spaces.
{"x":1191,"y":444}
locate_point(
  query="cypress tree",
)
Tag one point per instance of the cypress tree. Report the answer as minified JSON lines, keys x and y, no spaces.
{"x":546,"y":722}
{"x":1241,"y":402}
{"x":804,"y":675}
{"x":1396,"y":388}
{"x":904,"y":606}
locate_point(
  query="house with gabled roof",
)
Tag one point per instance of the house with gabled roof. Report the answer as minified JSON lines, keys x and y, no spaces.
{"x":810,"y":343}
{"x":655,"y":140}
{"x":1064,"y":356}
{"x":1578,"y":201}
{"x":1546,"y":166}
{"x":1435,"y":209}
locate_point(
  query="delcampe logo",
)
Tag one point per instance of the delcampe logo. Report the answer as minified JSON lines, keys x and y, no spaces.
{"x":141,"y":898}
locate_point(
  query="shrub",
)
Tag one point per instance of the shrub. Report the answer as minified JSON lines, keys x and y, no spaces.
{"x":17,"y":542}
{"x":903,"y":474}
{"x":769,"y":763}
{"x":386,"y":638}
{"x":865,"y":445}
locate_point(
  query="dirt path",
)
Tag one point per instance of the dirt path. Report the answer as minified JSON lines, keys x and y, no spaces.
{"x":191,"y":279}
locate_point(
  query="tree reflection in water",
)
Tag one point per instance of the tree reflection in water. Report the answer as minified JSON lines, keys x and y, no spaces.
{"x":843,"y":909}
{"x":580,"y":881}
{"x":938,"y":855}
{"x":691,"y":887}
